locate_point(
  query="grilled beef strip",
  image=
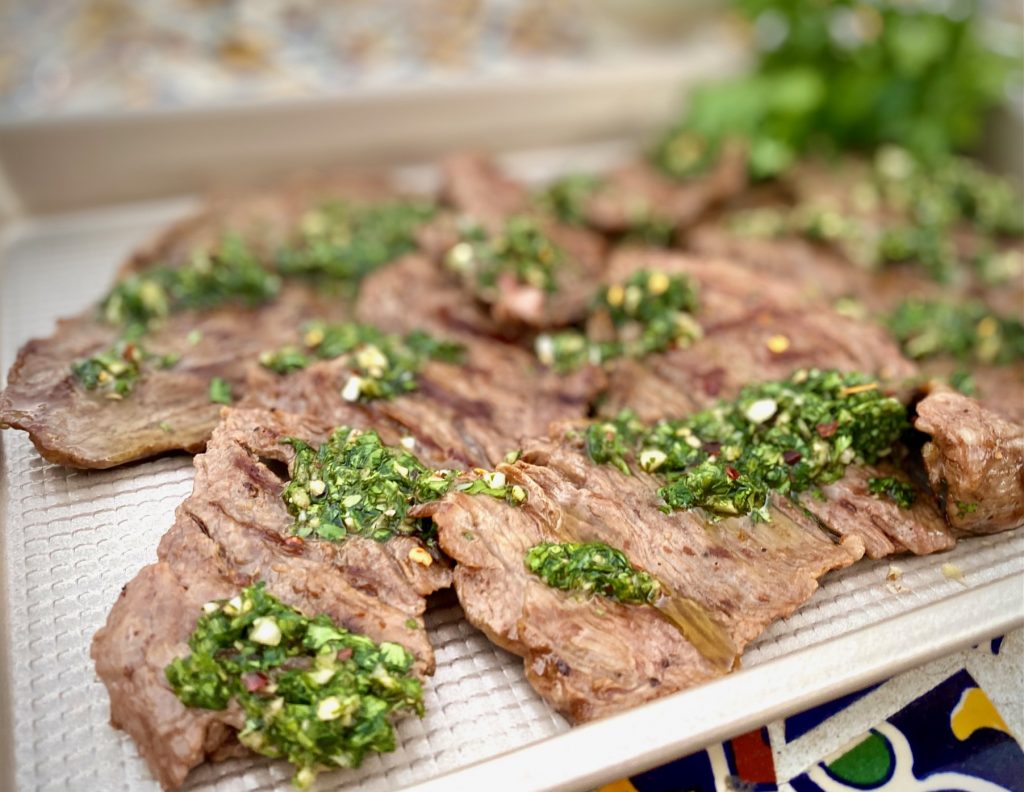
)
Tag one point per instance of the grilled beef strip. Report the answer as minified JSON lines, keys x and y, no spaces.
{"x":975,"y":462}
{"x":478,"y":192}
{"x":755,"y":329}
{"x":466,"y":414}
{"x":592,"y":657}
{"x":233,"y":531}
{"x":169,"y":409}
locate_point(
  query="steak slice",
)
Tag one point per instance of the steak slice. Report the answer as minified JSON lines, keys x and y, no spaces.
{"x":755,"y":329}
{"x":463,"y":415}
{"x":975,"y":462}
{"x":233,"y":531}
{"x":592,"y":657}
{"x":640,"y":191}
{"x":169,"y":409}
{"x":847,"y":508}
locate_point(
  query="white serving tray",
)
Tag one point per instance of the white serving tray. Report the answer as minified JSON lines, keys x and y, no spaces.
{"x":71,"y":539}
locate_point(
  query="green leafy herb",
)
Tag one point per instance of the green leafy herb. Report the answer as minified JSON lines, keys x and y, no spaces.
{"x":566,"y":198}
{"x":899,"y":492}
{"x":968,"y":332}
{"x":776,"y":437}
{"x":593,"y":568}
{"x":495,"y":485}
{"x":220,"y":391}
{"x":355,"y":484}
{"x":963,"y":382}
{"x":386,"y":365}
{"x":963,"y":508}
{"x":312,"y":692}
{"x":521,"y":251}
{"x":846,"y":75}
{"x":344,"y":241}
{"x":651,"y":312}
{"x":230,"y":273}
{"x":115,"y":371}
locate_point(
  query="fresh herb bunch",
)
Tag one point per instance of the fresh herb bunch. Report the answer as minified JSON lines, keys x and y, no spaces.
{"x":230,"y":273}
{"x":312,"y":692}
{"x":846,"y":75}
{"x":592,"y":568}
{"x":386,"y":365}
{"x":902,"y":493}
{"x":780,"y":437}
{"x":116,"y":371}
{"x":522,"y":251}
{"x":968,"y":332}
{"x":344,"y":241}
{"x":651,"y":311}
{"x":354,"y":484}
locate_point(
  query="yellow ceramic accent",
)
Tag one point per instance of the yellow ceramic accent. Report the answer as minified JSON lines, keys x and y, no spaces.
{"x":975,"y":711}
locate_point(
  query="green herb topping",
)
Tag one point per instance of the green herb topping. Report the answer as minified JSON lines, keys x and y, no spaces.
{"x":230,"y":273}
{"x":345,"y":241}
{"x":969,"y":332}
{"x":593,"y":568}
{"x":566,"y":198}
{"x":312,"y":692}
{"x":904,"y":212}
{"x":521,"y":251}
{"x":220,"y":391}
{"x":899,"y":492}
{"x":963,"y":508}
{"x":386,"y":365}
{"x":650,"y":312}
{"x":116,"y":371}
{"x":493,"y":483}
{"x":777,"y":437}
{"x":355,"y":484}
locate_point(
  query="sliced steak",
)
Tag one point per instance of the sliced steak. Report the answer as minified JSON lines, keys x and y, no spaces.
{"x":592,"y":657}
{"x":474,"y":185}
{"x":464,"y":415}
{"x":975,"y":462}
{"x":169,"y":409}
{"x":233,"y":531}
{"x":639,"y":191}
{"x":755,"y":329}
{"x":847,"y":508}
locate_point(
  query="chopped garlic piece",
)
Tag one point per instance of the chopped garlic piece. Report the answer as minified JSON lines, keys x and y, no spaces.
{"x":352,"y":389}
{"x":761,"y":410}
{"x":265,"y":631}
{"x":953,"y":572}
{"x":419,"y":555}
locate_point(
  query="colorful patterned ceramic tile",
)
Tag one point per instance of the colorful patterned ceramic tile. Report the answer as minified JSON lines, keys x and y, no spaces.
{"x":950,"y":738}
{"x":798,"y":725}
{"x":745,"y":762}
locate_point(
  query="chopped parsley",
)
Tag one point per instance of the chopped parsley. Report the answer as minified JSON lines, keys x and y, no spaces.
{"x":566,"y":198}
{"x":116,"y":371}
{"x":386,"y":365}
{"x":521,"y":251}
{"x":220,"y":391}
{"x":355,"y":484}
{"x":230,"y":273}
{"x":494,"y":484}
{"x":780,"y":437}
{"x":899,"y":492}
{"x":344,"y":241}
{"x":963,"y":508}
{"x":968,"y":332}
{"x":650,"y":312}
{"x":592,"y":568}
{"x":312,"y":692}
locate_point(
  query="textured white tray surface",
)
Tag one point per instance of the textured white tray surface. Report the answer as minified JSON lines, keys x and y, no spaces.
{"x":73,"y":538}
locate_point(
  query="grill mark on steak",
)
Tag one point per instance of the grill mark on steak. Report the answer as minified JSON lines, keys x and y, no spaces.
{"x":614,"y":650}
{"x":225,"y":537}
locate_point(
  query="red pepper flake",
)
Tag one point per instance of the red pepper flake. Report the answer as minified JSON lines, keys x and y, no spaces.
{"x":294,"y":543}
{"x":712,"y":447}
{"x":255,"y":681}
{"x":345,"y":654}
{"x":129,"y":352}
{"x":732,"y":472}
{"x":827,"y":429}
{"x":792,"y":456}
